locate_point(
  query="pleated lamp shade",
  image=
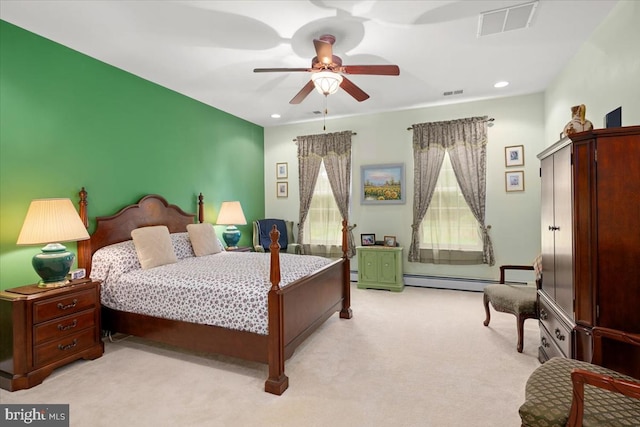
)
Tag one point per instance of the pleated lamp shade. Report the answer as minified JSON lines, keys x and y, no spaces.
{"x":51,"y":221}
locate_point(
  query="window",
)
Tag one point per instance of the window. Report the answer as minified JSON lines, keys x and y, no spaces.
{"x":324,"y":222}
{"x":449,"y":224}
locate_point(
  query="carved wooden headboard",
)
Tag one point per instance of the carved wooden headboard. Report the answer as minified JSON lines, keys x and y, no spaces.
{"x":150,"y":210}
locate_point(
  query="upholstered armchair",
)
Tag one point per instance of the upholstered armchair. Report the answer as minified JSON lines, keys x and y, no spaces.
{"x":519,"y":300}
{"x":261,"y":238}
{"x":568,"y":392}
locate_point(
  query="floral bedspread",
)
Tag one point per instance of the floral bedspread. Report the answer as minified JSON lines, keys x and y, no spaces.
{"x":228,"y":289}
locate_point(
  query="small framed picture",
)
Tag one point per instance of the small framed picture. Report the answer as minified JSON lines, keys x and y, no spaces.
{"x":514,"y":181}
{"x":514,"y":155}
{"x":367,"y":239}
{"x":390,"y":241}
{"x":282,"y":171}
{"x":282,"y":189}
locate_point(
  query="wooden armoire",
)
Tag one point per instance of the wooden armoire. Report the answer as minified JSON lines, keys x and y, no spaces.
{"x":590,"y":207}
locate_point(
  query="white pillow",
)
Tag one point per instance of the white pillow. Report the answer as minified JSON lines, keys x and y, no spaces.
{"x":153,"y":246}
{"x":203,"y":239}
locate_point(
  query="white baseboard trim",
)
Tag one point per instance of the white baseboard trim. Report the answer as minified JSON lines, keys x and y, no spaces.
{"x":455,"y":283}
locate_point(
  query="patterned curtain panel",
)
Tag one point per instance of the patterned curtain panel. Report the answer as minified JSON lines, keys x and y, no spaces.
{"x":465,"y":140}
{"x":335,"y":150}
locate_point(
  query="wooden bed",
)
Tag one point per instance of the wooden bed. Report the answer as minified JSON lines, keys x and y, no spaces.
{"x":294,"y":311}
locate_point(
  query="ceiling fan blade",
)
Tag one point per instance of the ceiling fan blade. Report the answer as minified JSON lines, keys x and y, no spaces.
{"x":324,"y":51}
{"x":300,"y":96}
{"x":278,"y":70}
{"x":353,"y":90}
{"x":381,"y":70}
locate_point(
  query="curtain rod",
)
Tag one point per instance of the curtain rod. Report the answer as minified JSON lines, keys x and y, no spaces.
{"x":295,"y":139}
{"x":488,"y":120}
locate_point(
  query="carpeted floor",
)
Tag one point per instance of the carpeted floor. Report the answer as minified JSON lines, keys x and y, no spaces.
{"x":421,"y":357}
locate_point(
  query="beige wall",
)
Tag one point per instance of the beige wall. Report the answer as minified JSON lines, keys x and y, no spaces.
{"x":603,"y":75}
{"x":383,"y":138}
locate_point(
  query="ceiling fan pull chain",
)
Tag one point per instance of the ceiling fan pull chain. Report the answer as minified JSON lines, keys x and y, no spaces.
{"x":324,"y":117}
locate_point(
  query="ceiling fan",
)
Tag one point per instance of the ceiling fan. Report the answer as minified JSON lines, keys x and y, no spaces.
{"x":327,"y":72}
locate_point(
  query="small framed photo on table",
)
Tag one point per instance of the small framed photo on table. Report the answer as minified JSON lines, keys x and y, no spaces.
{"x":367,"y":239}
{"x":514,"y":155}
{"x":514,"y":181}
{"x":390,"y":241}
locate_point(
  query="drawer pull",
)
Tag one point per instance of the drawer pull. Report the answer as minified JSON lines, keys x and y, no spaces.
{"x":543,"y":314}
{"x":553,"y":228}
{"x":68,"y":346}
{"x":559,"y":335}
{"x":68,"y":306}
{"x":544,"y":342}
{"x":67,"y":327}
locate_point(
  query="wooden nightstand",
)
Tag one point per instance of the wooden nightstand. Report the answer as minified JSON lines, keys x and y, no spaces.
{"x":239,"y":249}
{"x":43,"y":329}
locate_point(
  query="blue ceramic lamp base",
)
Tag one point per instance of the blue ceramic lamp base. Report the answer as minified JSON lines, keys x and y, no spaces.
{"x":53,"y":265}
{"x":231,"y":236}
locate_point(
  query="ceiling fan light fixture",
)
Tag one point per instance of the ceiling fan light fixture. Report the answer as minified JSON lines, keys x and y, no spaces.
{"x":326,"y":82}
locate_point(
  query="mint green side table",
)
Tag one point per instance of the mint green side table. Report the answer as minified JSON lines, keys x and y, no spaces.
{"x":380,"y":267}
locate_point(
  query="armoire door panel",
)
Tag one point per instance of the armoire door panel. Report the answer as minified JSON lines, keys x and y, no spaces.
{"x":618,"y":238}
{"x":584,"y":233}
{"x":563,"y":234}
{"x":547,"y":224}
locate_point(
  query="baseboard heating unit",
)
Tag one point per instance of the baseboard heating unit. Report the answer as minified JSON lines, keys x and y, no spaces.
{"x":456,"y":283}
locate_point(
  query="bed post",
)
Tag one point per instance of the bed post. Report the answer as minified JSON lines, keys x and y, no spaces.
{"x":84,"y":246}
{"x":346,"y":312}
{"x":200,"y":208}
{"x":277,"y":382}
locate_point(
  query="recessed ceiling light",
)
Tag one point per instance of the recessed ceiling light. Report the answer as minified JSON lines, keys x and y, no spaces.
{"x":275,"y":116}
{"x":501,"y":84}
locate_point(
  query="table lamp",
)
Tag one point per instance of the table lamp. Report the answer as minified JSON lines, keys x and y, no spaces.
{"x":230,"y":215}
{"x":50,"y":221}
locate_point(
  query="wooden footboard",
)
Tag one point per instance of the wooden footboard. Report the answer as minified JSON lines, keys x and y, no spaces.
{"x":295,"y":311}
{"x":299,"y":308}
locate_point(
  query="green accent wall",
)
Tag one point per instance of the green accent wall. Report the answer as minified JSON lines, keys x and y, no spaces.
{"x":69,"y":121}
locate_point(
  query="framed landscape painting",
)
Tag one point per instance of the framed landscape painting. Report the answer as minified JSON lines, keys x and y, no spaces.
{"x":382,"y":184}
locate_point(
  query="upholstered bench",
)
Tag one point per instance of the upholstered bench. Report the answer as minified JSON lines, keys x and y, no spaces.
{"x":519,"y":300}
{"x":567,"y":392}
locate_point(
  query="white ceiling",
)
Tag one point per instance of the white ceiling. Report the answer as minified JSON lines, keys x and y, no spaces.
{"x":207,"y":50}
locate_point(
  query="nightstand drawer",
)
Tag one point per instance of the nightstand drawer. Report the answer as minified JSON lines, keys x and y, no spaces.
{"x":64,"y":347}
{"x":63,"y":326}
{"x":61,"y":306}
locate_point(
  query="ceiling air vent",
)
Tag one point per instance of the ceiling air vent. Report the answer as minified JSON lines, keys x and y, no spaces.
{"x":507,"y":19}
{"x":453,"y":92}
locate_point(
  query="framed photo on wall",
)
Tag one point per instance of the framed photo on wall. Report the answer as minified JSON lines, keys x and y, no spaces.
{"x":514,"y":155}
{"x":514,"y":181}
{"x":282,"y":170}
{"x":382,"y":184}
{"x":282,"y":189}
